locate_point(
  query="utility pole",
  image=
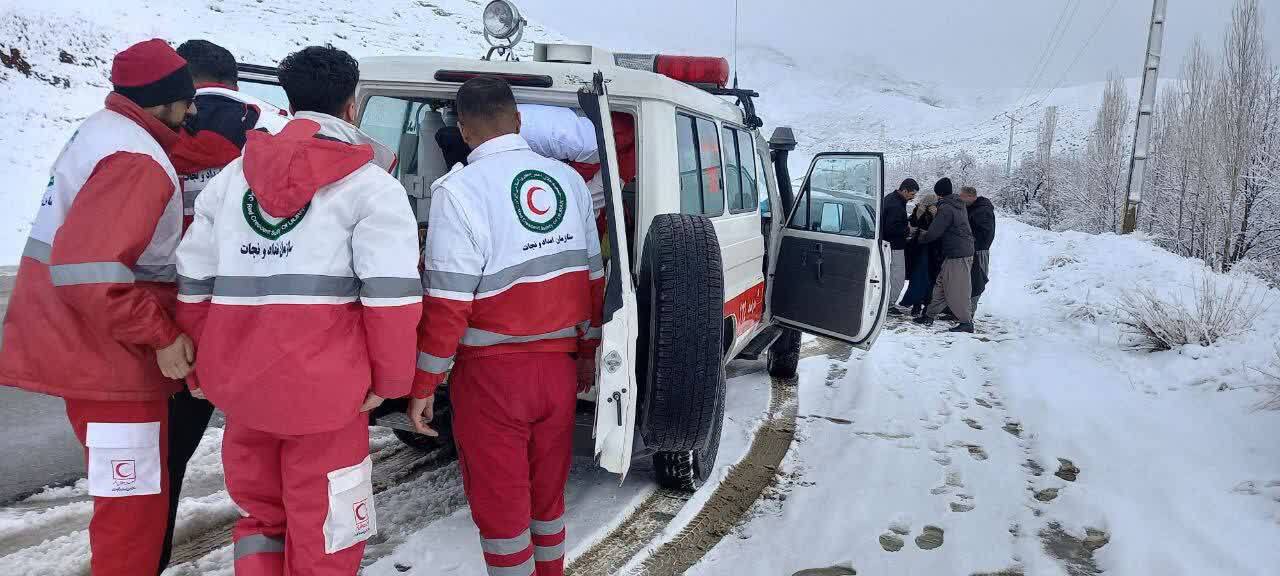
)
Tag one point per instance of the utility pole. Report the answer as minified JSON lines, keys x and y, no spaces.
{"x":1146,"y":106}
{"x":1008,"y":165}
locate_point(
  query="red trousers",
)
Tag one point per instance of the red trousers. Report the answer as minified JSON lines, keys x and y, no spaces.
{"x":126,"y":452}
{"x":513,"y":422}
{"x":306,"y":500}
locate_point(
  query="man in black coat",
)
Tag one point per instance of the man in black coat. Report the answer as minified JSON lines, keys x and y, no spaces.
{"x":954,"y":286}
{"x":982,"y":220}
{"x":893,"y":229}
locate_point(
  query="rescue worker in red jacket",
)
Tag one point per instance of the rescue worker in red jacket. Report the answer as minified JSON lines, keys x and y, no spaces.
{"x":208,"y":141}
{"x":90,"y":319}
{"x":298,"y":280}
{"x":515,"y":288}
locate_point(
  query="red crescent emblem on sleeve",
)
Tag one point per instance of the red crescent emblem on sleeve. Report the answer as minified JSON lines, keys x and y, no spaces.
{"x":124,"y":469}
{"x":529,"y":201}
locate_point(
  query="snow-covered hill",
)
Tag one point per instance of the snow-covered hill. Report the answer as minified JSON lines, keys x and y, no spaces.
{"x":59,"y":74}
{"x":854,"y":105}
{"x":65,"y":49}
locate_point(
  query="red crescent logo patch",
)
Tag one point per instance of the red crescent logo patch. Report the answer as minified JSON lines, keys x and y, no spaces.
{"x":122,"y":469}
{"x":529,"y":201}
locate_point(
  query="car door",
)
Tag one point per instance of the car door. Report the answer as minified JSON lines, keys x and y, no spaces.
{"x":829,"y":270}
{"x":615,"y":375}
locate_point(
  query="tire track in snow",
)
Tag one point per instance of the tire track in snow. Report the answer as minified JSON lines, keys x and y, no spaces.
{"x":726,"y":507}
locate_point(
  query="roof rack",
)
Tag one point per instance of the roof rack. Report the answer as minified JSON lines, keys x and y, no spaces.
{"x":744,"y":97}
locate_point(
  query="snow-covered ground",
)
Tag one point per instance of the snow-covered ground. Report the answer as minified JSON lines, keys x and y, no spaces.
{"x":1177,"y":471}
{"x":1176,"y":466}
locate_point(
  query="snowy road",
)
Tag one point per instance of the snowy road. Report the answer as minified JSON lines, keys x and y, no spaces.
{"x":46,"y":452}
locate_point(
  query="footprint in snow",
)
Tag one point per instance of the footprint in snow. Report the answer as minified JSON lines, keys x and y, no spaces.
{"x":1047,"y":495}
{"x":891,"y":542}
{"x":1013,"y":428}
{"x":828,"y":571}
{"x":930,"y":538}
{"x":973,"y":423}
{"x":1067,"y":470}
{"x":959,"y":372}
{"x":964,"y":504}
{"x":982,"y":402}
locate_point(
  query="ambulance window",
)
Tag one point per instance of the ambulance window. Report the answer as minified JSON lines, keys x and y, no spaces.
{"x":388,"y":120}
{"x":698,"y":149}
{"x":732,"y":170}
{"x":740,"y":171}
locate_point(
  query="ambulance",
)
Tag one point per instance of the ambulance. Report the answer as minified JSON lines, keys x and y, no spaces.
{"x":713,"y":254}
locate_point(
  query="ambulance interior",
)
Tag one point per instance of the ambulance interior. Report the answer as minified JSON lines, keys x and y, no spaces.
{"x":424,"y":133}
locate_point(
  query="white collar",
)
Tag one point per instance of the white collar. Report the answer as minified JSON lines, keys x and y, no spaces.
{"x":504,"y":143}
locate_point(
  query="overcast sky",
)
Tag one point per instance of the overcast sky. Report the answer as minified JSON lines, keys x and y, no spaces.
{"x":971,"y":43}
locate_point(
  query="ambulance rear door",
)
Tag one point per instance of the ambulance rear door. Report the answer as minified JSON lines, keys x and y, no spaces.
{"x":616,"y":376}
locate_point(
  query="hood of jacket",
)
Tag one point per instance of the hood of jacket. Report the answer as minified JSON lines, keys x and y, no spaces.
{"x":982,"y":203}
{"x":286,"y":170}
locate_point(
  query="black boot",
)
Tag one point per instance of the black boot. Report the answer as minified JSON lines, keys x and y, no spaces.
{"x":915,"y":310}
{"x":962,"y":327}
{"x":895,"y":311}
{"x":924,"y":320}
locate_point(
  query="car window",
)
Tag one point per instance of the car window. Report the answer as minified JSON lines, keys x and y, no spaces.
{"x":269,"y":93}
{"x":732,"y":171}
{"x":740,"y":179}
{"x":763,"y":185}
{"x":701,"y":189}
{"x":388,"y":120}
{"x":839,"y":198}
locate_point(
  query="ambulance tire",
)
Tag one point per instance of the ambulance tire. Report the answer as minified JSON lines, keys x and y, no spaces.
{"x":680,"y":356}
{"x":784,"y":354}
{"x":687,"y":471}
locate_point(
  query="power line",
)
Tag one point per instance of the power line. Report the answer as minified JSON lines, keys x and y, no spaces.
{"x":1056,"y":36}
{"x":1097,"y":28}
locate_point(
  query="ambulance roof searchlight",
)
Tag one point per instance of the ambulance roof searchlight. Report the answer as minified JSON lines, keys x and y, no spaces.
{"x":503,"y":28}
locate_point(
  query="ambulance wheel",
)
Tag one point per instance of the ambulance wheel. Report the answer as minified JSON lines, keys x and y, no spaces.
{"x":687,"y":471}
{"x":680,"y":357}
{"x":784,"y":354}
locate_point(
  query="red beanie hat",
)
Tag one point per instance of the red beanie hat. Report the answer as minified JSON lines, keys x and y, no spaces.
{"x":152,"y":73}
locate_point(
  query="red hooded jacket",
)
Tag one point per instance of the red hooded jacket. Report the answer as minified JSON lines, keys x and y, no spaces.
{"x":299,"y":281}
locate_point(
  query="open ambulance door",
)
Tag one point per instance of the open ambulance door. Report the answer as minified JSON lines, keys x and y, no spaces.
{"x":615,"y":376}
{"x":829,"y":275}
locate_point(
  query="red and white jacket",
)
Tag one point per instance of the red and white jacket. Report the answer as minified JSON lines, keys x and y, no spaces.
{"x":94,"y":296}
{"x":512,"y":261}
{"x":298,"y":280}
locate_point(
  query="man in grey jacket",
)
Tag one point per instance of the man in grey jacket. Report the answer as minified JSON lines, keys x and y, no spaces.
{"x":954,"y":287}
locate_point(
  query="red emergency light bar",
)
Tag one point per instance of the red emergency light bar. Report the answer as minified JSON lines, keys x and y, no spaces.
{"x":703,"y":70}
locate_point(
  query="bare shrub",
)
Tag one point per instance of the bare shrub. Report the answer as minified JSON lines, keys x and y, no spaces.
{"x":1153,"y":322}
{"x":1272,"y":384}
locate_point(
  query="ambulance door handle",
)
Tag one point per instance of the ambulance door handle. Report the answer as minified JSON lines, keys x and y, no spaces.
{"x":617,"y":403}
